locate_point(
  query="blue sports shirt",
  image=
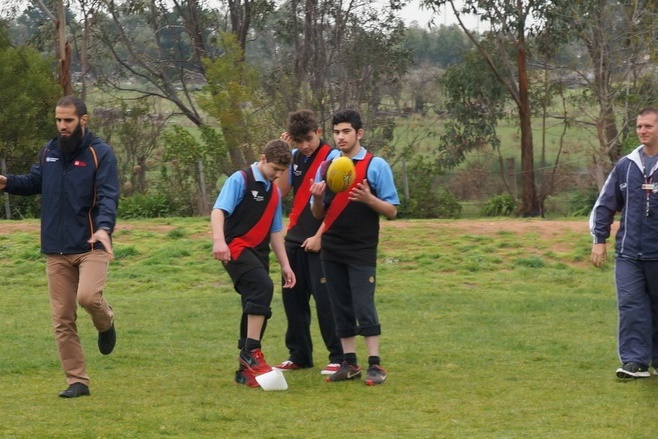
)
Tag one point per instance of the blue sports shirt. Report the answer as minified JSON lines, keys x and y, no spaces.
{"x":233,"y":191}
{"x":380,"y":177}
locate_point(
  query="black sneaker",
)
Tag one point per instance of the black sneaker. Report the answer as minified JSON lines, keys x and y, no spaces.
{"x":633,"y":370}
{"x":75,"y":390}
{"x":107,"y":340}
{"x":346,"y":372}
{"x":376,"y":375}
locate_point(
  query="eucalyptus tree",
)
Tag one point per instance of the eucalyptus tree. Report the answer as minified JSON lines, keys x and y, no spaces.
{"x":244,"y":15}
{"x":28,"y":92}
{"x":330,"y":54}
{"x":475,"y":100}
{"x":510,"y":25}
{"x":233,"y":97}
{"x":442,"y":46}
{"x":57,"y":14}
{"x":616,"y":71}
{"x":157,"y":51}
{"x":134,"y":129}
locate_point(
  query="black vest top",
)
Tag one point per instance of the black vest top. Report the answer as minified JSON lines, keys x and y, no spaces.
{"x":306,"y":225}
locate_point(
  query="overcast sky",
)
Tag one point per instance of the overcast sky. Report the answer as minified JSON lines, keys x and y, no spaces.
{"x":413,"y":12}
{"x":410,"y":13}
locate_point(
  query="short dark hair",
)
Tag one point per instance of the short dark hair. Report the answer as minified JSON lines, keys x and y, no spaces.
{"x":648,"y":110}
{"x":300,"y":123}
{"x":72,"y":101}
{"x":277,"y":151}
{"x":350,"y":116}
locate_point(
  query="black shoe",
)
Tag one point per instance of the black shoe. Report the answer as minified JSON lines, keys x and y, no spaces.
{"x":633,"y":370}
{"x":107,"y":340}
{"x":376,"y":375}
{"x":346,"y":372}
{"x":75,"y":390}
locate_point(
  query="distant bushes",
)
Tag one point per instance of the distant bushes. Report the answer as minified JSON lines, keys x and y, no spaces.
{"x":499,"y":205}
{"x":581,"y":202}
{"x":426,"y":200}
{"x":147,"y":206}
{"x":437,"y":204}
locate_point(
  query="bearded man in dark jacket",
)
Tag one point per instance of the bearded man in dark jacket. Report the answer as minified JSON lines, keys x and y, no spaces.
{"x":76,"y":175}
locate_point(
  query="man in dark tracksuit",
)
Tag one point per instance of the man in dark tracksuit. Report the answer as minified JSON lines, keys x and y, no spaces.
{"x":77,"y":177}
{"x":246,"y":221}
{"x":632,"y":189}
{"x":303,"y":246}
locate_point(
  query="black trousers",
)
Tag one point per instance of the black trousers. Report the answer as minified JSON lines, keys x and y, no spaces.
{"x":296,"y":303}
{"x":352,"y":293}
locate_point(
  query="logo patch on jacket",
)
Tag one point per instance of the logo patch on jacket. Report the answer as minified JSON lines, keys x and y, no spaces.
{"x":79,"y":163}
{"x":51,"y":159}
{"x":296,"y":171}
{"x":256,"y":196}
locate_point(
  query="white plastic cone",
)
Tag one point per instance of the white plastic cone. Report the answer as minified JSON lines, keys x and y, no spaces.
{"x":272,"y":380}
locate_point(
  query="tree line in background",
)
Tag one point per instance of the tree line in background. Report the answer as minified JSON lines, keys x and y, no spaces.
{"x":188,"y":91}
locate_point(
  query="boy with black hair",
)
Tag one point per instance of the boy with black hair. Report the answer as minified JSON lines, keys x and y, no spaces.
{"x":246,"y":221}
{"x":302,"y":244}
{"x":349,"y":246}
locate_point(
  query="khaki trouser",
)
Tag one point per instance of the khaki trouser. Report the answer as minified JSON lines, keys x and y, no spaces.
{"x":72,"y":280}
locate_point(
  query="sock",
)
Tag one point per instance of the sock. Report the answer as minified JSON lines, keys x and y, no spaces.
{"x":350,"y":358}
{"x":251,"y":344}
{"x":372,"y":360}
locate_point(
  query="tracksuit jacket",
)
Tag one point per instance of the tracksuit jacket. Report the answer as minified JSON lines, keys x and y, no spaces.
{"x":79,"y":194}
{"x":623,"y":192}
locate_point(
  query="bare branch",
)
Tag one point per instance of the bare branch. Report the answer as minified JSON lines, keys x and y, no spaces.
{"x":45,"y":10}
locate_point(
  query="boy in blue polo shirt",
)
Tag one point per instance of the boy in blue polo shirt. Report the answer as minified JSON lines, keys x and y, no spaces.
{"x":349,"y":245}
{"x":246,"y":221}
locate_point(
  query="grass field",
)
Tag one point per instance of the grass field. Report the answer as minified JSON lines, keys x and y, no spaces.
{"x":491,"y":329}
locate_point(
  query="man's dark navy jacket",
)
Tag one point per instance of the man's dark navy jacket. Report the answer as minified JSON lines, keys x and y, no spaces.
{"x":79,"y":194}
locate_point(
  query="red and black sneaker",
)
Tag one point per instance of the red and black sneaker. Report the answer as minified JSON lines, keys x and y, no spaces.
{"x":346,"y":372}
{"x":288,"y":365}
{"x":244,"y":376}
{"x":254,"y":361}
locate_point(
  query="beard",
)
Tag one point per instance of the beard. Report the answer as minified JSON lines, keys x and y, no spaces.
{"x":68,"y":144}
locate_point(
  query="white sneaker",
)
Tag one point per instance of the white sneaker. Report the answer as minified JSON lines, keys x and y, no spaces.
{"x":330,"y":369}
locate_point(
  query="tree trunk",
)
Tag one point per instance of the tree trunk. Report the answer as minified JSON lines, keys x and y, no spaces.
{"x":64,"y":51}
{"x":204,"y":208}
{"x":240,"y":14}
{"x":3,"y":169}
{"x":530,"y":202}
{"x":141,"y":174}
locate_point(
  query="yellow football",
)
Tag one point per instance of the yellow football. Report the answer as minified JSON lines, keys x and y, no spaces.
{"x":340,"y":174}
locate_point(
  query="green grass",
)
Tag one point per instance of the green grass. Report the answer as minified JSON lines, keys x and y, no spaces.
{"x":501,"y":333}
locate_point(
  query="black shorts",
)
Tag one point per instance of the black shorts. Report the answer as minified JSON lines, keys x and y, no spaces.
{"x":251,"y":279}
